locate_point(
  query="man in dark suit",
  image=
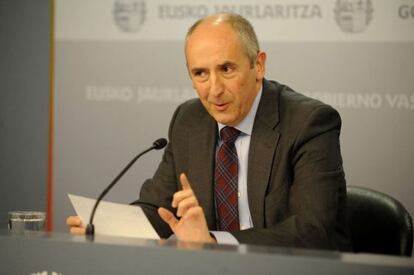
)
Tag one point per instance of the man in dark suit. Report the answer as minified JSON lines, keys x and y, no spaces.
{"x":285,"y":166}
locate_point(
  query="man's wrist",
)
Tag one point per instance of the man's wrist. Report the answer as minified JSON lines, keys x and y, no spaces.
{"x":212,"y":238}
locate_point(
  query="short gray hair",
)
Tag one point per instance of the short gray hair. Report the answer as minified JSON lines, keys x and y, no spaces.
{"x":240,"y":25}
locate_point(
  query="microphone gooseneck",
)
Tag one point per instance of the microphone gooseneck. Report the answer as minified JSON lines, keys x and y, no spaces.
{"x":157,"y":145}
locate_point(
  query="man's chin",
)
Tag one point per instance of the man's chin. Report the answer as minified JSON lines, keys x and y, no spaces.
{"x":228,"y":121}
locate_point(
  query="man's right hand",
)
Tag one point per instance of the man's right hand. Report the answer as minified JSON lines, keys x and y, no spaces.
{"x":192,"y":224}
{"x":75,"y":225}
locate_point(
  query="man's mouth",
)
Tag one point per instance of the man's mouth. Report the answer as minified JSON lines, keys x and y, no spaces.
{"x":221,"y":106}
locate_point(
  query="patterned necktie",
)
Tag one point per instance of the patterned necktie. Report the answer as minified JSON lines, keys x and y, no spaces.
{"x":226,"y":177}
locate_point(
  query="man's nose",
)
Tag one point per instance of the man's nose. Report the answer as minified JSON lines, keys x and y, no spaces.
{"x":216,"y":85}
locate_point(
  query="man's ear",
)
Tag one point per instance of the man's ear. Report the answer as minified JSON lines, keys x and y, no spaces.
{"x":260,"y":65}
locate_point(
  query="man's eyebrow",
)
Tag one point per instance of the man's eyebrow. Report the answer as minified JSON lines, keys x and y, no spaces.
{"x":221,"y":65}
{"x":226,"y":63}
{"x":193,"y":70}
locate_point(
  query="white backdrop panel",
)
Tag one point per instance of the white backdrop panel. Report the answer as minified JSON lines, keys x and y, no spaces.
{"x":120,"y":73}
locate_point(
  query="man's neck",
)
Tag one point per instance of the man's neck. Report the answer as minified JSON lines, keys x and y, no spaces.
{"x":246,"y":125}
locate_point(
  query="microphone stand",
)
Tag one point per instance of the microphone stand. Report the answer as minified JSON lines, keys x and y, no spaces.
{"x":90,"y":228}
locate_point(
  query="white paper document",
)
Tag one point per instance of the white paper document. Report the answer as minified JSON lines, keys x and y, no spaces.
{"x":114,"y":219}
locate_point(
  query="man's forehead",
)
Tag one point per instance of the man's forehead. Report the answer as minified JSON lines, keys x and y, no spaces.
{"x":213,"y":54}
{"x":212,"y":38}
{"x":212,"y":27}
{"x":212,"y":44}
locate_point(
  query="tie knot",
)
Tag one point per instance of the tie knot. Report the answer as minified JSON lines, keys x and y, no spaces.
{"x":229,"y":134}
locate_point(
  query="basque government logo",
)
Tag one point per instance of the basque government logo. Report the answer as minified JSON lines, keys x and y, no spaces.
{"x":129,"y":15}
{"x":353,"y":15}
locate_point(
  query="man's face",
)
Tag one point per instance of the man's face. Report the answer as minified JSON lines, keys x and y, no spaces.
{"x":225,"y":80}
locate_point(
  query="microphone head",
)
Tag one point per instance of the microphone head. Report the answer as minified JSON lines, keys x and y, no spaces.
{"x":159,"y":143}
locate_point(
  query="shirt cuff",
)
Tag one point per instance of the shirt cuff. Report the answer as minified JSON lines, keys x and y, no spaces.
{"x":223,"y":237}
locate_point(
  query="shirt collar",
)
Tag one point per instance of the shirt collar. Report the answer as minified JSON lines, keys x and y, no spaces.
{"x":246,"y":125}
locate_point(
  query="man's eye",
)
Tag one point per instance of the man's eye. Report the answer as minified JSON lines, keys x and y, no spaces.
{"x":199,"y":73}
{"x":227,"y":69}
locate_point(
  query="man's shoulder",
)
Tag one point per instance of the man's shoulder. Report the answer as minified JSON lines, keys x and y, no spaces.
{"x":190,"y":112}
{"x":191,"y":104}
{"x":295,"y":110}
{"x":191,"y":107}
{"x":296,"y":104}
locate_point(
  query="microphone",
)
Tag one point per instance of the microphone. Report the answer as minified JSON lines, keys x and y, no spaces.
{"x":157,"y":145}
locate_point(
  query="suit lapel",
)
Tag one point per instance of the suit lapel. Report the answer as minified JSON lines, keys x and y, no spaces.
{"x":263,"y":144}
{"x":202,"y":144}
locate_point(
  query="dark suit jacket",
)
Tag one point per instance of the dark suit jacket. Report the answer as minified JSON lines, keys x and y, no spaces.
{"x":296,"y":184}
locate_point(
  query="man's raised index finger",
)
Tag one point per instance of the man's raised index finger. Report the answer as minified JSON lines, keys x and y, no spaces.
{"x":184,"y":182}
